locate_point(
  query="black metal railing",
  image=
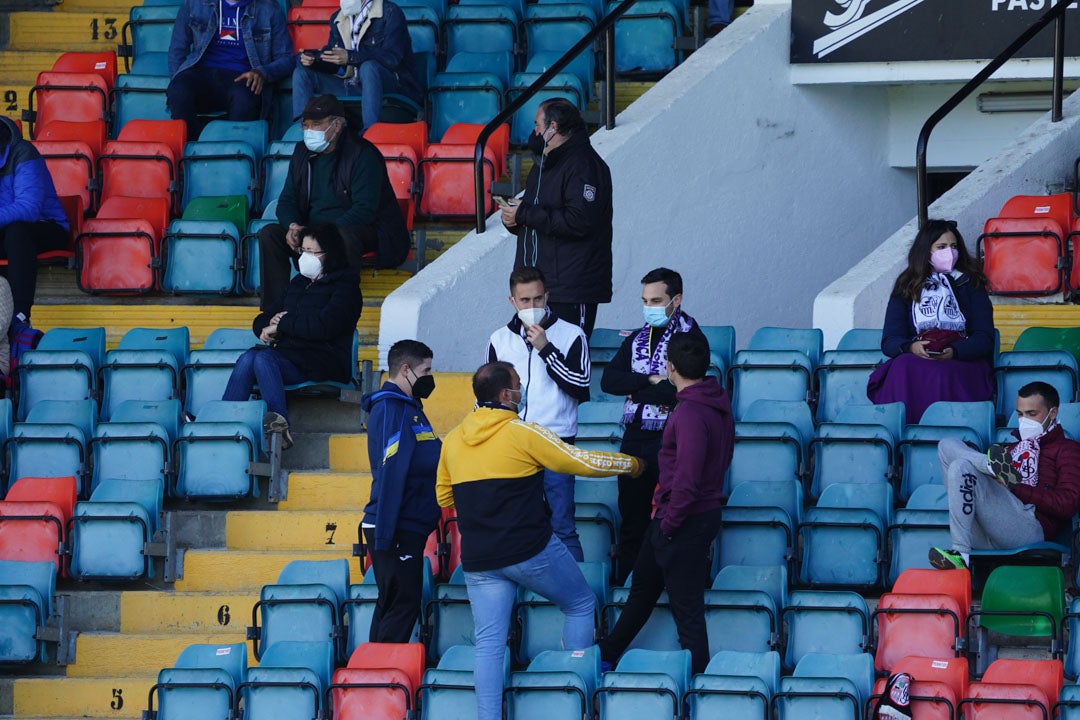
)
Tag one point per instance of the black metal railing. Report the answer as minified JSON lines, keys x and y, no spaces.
{"x":605,"y":26}
{"x":1054,"y":14}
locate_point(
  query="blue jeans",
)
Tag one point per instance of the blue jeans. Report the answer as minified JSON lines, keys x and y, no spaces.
{"x":559,"y":490}
{"x":375,"y":80}
{"x":720,"y":11}
{"x":552,"y":573}
{"x":268,"y":368}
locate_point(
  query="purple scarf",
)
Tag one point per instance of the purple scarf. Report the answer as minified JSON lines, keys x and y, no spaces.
{"x":653,"y":417}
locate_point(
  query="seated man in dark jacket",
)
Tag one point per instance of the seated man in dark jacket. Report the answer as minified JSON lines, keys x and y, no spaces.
{"x":699,"y":438}
{"x":376,"y":58}
{"x":307,"y":330}
{"x":335,"y":176}
{"x":1017,"y":494}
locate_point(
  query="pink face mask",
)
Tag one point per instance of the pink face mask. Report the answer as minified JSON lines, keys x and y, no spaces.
{"x":944,"y":260}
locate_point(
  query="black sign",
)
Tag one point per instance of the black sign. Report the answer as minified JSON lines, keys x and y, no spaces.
{"x":825,"y":31}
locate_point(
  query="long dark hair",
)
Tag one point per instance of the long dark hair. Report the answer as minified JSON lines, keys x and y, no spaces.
{"x":333,"y":246}
{"x":910,"y":282}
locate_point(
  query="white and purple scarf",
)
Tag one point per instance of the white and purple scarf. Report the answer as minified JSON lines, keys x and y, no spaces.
{"x":937,"y":307}
{"x":653,"y":417}
{"x":1025,"y":457}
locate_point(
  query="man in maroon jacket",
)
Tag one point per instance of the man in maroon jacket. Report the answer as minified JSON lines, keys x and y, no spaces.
{"x":694,"y":456}
{"x":1018,"y":494}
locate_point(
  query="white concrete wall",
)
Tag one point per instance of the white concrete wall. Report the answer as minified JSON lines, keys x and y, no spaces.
{"x":758,"y":191}
{"x":1041,"y":155}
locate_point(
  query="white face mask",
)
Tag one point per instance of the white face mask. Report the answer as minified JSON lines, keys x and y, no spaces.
{"x":315,"y":140}
{"x":531,"y":316}
{"x":351,"y":7}
{"x":310,"y":265}
{"x":1030,"y":429}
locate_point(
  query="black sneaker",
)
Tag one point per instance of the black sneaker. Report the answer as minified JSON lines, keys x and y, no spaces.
{"x":999,"y":460}
{"x":274,"y":423}
{"x":946,"y":559}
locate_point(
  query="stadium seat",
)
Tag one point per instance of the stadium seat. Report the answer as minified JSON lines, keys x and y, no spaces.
{"x":860,"y":339}
{"x":255,"y":133}
{"x":275,"y":168}
{"x":110,"y":532}
{"x":924,"y":615}
{"x":303,"y":606}
{"x":1050,"y":338}
{"x":34,"y":520}
{"x":358,"y":607}
{"x":380,"y":680}
{"x":289,"y":682}
{"x":207,"y":373}
{"x":414,"y":134}
{"x":53,"y":441}
{"x":447,"y":691}
{"x":117,"y":257}
{"x":214,"y":454}
{"x":424,"y":28}
{"x":94,"y":133}
{"x":771,"y":442}
{"x":171,"y":132}
{"x":140,"y":96}
{"x":915,"y":530}
{"x":136,"y":443}
{"x":137,"y":169}
{"x":832,"y":686}
{"x":26,"y":597}
{"x":759,"y":521}
{"x":144,"y":366}
{"x":71,"y":165}
{"x":1023,"y":247}
{"x":742,"y":610}
{"x":148,"y":29}
{"x":937,"y":685}
{"x":233,"y":209}
{"x":449,"y":616}
{"x":645,"y":37}
{"x":100,"y":63}
{"x":842,"y":537}
{"x":768,"y":375}
{"x":540,"y":622}
{"x":480,"y":28}
{"x":401,"y":164}
{"x":851,"y":453}
{"x":463,"y":97}
{"x":736,"y":685}
{"x":62,"y":367}
{"x":1021,"y":602}
{"x":309,"y":26}
{"x":200,"y":257}
{"x":822,"y":621}
{"x":202,"y":684}
{"x":1013,"y":370}
{"x":153,"y":210}
{"x":1014,"y":689}
{"x":218,"y":168}
{"x":840,"y":380}
{"x":971,"y":422}
{"x":71,"y":96}
{"x":468,"y":133}
{"x":557,"y":684}
{"x":447,"y":181}
{"x":645,"y":683}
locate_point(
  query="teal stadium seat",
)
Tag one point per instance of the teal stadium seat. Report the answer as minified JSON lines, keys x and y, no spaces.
{"x":462,"y":97}
{"x":448,"y":690}
{"x":207,"y":371}
{"x":480,"y":28}
{"x":449,"y":616}
{"x":645,"y":37}
{"x":842,"y":537}
{"x":109,"y":533}
{"x":1013,"y":370}
{"x":147,"y":31}
{"x":219,"y":168}
{"x":26,"y":596}
{"x":852,"y":453}
{"x":645,"y":683}
{"x":136,"y":443}
{"x":144,"y":366}
{"x":540,"y":622}
{"x":303,"y":606}
{"x":62,"y":367}
{"x":735,"y":684}
{"x":758,"y":523}
{"x":742,"y":610}
{"x":290,"y":682}
{"x":53,"y":442}
{"x":971,"y":422}
{"x":203,"y":683}
{"x":140,"y":97}
{"x":200,"y":257}
{"x":823,"y":621}
{"x":826,"y":686}
{"x":359,"y":607}
{"x":214,"y":454}
{"x":558,"y":685}
{"x":771,"y":442}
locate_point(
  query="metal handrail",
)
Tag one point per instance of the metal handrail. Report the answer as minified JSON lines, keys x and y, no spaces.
{"x":1056,"y":13}
{"x":606,"y":26}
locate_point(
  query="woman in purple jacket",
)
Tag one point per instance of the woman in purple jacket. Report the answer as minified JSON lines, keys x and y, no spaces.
{"x":939,"y":327}
{"x":32,"y":220}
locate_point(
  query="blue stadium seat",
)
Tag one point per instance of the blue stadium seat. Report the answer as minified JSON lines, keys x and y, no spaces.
{"x":53,"y":442}
{"x":645,"y":37}
{"x":759,"y":521}
{"x":140,"y":97}
{"x":742,"y":610}
{"x":206,"y":375}
{"x":150,"y":28}
{"x":771,"y":442}
{"x":645,"y":683}
{"x":557,"y":684}
{"x":214,"y":453}
{"x":841,"y":380}
{"x":463,"y":97}
{"x":826,"y":686}
{"x":480,"y":28}
{"x":860,"y":339}
{"x":275,"y":168}
{"x":136,"y":443}
{"x":842,"y":537}
{"x":450,"y":616}
{"x":736,"y":685}
{"x":1017,"y":368}
{"x":203,"y":683}
{"x":768,"y":375}
{"x":26,"y":596}
{"x":597,"y":528}
{"x":255,"y":133}
{"x":659,"y":631}
{"x":808,"y":341}
{"x":971,"y":422}
{"x":219,"y":168}
{"x":200,"y":257}
{"x":359,"y":607}
{"x":289,"y":682}
{"x":448,"y":690}
{"x":563,"y":85}
{"x":303,"y":606}
{"x":144,"y":366}
{"x":822,"y":621}
{"x":1072,"y":649}
{"x":721,"y":347}
{"x":109,"y":533}
{"x":424,"y":28}
{"x":852,"y":453}
{"x":63,"y":367}
{"x":540,"y":622}
{"x":915,"y":529}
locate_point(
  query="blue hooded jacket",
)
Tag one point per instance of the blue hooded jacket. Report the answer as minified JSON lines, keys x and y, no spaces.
{"x":404,"y":454}
{"x":26,"y":188}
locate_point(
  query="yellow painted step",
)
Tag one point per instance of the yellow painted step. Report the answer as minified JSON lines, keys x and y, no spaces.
{"x":95,"y":6}
{"x":103,"y":655}
{"x":377,"y":284}
{"x":108,"y":697}
{"x":317,"y":490}
{"x":1011,"y":320}
{"x":307,"y":530}
{"x":14,"y":98}
{"x":348,"y":453}
{"x":160,"y":612}
{"x":247,"y":570}
{"x":86,"y":31}
{"x":23,"y":66}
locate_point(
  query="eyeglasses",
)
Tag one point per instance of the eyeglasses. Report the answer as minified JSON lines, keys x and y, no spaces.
{"x":313,"y":252}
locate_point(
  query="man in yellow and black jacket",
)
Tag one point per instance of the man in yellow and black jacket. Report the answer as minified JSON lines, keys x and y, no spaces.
{"x":492,"y":471}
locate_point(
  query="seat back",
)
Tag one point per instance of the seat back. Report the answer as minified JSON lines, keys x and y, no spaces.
{"x":1050,"y":338}
{"x":448,"y":185}
{"x":1020,"y":255}
{"x":71,"y":166}
{"x":1033,"y":597}
{"x":71,"y":96}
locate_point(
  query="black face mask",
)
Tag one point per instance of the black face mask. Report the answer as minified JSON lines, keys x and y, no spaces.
{"x":536,"y":144}
{"x":423,"y":386}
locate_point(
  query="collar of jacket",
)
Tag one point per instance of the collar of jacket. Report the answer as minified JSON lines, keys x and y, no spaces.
{"x":572,"y":144}
{"x":344,"y":23}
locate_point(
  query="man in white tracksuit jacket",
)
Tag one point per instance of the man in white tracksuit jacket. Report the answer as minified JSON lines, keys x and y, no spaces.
{"x":551,"y":357}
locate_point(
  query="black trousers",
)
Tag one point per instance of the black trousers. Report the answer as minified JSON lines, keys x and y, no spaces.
{"x":397,"y":574}
{"x":635,"y":497}
{"x":681,"y":565}
{"x":275,"y":257}
{"x":581,"y":314}
{"x":20,"y":243}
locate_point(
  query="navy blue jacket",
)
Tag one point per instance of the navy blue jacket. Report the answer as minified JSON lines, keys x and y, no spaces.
{"x":404,"y":454}
{"x":26,"y":188}
{"x":385,"y":41}
{"x":898,"y":332}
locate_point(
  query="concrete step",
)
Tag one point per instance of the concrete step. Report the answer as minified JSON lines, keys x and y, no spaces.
{"x":75,"y":30}
{"x":305,"y":530}
{"x":319,"y":490}
{"x":112,"y":6}
{"x":161,"y":612}
{"x":14,"y":98}
{"x":23,"y":66}
{"x":105,"y":655}
{"x":79,"y":697}
{"x":348,"y":453}
{"x":241,"y":571}
{"x":323,"y":415}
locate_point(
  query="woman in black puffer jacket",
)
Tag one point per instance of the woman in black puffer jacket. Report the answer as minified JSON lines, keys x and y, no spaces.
{"x":307,"y":333}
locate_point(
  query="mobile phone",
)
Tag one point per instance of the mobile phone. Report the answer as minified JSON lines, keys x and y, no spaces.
{"x":501,"y":201}
{"x":312,"y":53}
{"x":933,"y":353}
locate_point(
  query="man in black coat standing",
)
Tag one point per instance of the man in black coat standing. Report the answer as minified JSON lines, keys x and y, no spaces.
{"x":563,"y":220}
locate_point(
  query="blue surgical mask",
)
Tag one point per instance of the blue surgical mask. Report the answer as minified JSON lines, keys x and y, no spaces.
{"x":521,"y":403}
{"x":655,"y":315}
{"x":315,"y":140}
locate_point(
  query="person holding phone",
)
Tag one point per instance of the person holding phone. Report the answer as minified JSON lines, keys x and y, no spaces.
{"x":939,"y":327}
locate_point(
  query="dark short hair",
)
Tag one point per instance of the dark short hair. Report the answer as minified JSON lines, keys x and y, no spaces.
{"x":490,"y":380}
{"x":333,"y":245}
{"x":1047,"y":391}
{"x":671,"y":279}
{"x":689,"y":355}
{"x":525,"y":275}
{"x":407,"y":352}
{"x":563,"y":113}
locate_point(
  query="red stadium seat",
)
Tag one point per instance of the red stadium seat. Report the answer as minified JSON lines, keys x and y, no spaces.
{"x":447,"y":183}
{"x":153,"y":210}
{"x":1058,"y":208}
{"x":413,"y":134}
{"x":34,"y":517}
{"x":1014,"y":690}
{"x":938,"y":685}
{"x":469,"y":133}
{"x":954,"y":583}
{"x":171,"y":132}
{"x":76,"y":97}
{"x":379,"y":681}
{"x":98,"y":63}
{"x":1022,"y":256}
{"x":117,"y":256}
{"x":92,"y":133}
{"x":138,"y":169}
{"x":450,"y":543}
{"x":309,"y":27}
{"x":1074,"y":253}
{"x":71,"y":165}
{"x":401,"y":167}
{"x":912,"y":624}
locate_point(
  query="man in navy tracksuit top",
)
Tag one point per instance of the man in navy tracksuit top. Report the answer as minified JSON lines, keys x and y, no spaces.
{"x":694,"y":456}
{"x":402,"y":512}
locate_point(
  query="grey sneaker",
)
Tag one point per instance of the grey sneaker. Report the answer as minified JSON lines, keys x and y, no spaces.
{"x":274,"y":423}
{"x":999,"y":460}
{"x":946,"y":559}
